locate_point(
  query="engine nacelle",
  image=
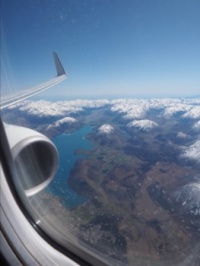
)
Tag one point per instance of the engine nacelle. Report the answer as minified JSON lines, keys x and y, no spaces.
{"x":35,"y":158}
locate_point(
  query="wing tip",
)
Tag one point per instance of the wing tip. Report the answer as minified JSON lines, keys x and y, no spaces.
{"x":59,"y":68}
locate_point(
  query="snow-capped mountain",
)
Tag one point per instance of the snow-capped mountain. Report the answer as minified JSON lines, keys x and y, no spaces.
{"x":192,"y":152}
{"x":181,"y":135}
{"x":193,"y":113}
{"x":196,"y":126}
{"x":129,"y":108}
{"x":66,"y":120}
{"x":105,"y":135}
{"x":174,"y":109}
{"x":105,"y":129}
{"x":58,"y":108}
{"x":145,"y":124}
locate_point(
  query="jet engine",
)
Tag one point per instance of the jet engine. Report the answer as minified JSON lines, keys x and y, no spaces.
{"x":35,"y":158}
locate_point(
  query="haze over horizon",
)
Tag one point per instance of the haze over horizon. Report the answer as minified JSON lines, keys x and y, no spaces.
{"x":137,"y":48}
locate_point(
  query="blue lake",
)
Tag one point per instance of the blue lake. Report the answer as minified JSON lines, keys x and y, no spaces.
{"x":67,"y":144}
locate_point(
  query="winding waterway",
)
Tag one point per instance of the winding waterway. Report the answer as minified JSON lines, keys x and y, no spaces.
{"x":67,"y":144}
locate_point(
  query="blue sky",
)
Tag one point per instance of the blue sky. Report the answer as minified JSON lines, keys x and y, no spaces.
{"x":116,"y":47}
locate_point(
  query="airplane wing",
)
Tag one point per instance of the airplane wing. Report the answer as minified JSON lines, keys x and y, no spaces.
{"x":28,"y":147}
{"x":21,"y":95}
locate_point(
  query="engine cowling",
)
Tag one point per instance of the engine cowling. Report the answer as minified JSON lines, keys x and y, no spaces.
{"x":35,"y":158}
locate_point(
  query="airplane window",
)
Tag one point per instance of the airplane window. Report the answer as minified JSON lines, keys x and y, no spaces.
{"x":107,"y":163}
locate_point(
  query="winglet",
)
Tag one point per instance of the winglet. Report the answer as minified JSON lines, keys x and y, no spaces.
{"x":59,"y":68}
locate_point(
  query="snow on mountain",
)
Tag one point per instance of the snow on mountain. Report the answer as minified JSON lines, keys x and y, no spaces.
{"x":193,"y":113}
{"x":196,"y":126}
{"x":181,"y":135}
{"x":49,"y":109}
{"x":129,"y":108}
{"x":144,"y":124}
{"x":192,"y":101}
{"x":138,"y":108}
{"x":66,"y":120}
{"x":105,"y":129}
{"x":172,"y":110}
{"x":135,"y":112}
{"x":59,"y":108}
{"x":189,"y":198}
{"x":192,"y":152}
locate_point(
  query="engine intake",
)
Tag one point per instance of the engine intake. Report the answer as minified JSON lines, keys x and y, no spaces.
{"x":35,"y":158}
